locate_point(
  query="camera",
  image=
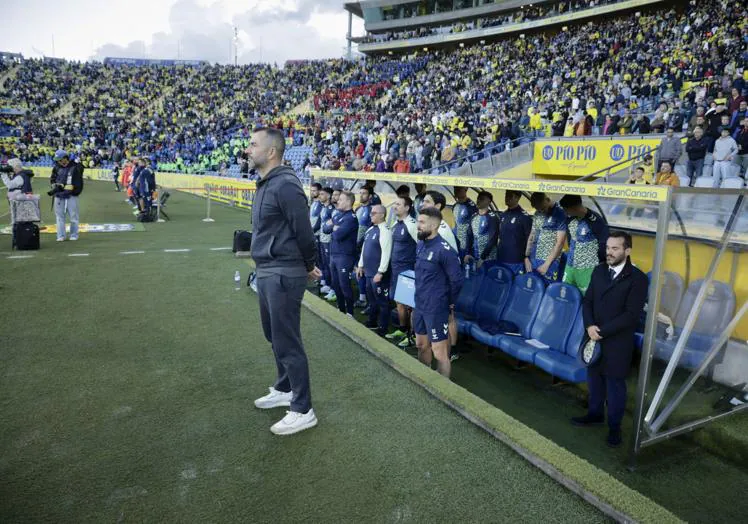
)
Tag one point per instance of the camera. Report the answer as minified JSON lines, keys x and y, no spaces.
{"x":5,"y":168}
{"x":55,"y":189}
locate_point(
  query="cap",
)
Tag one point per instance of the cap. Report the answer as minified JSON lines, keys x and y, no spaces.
{"x":590,"y":352}
{"x":60,"y":153}
{"x":15,"y":163}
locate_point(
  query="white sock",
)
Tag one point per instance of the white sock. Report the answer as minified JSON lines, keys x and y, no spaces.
{"x":323,"y":282}
{"x":361,"y":297}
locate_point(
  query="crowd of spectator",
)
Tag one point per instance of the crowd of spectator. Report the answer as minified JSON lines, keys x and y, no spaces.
{"x":523,"y":14}
{"x":636,"y":73}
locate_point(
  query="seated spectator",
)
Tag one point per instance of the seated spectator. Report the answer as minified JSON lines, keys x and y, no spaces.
{"x":638,"y":177}
{"x":666,"y":176}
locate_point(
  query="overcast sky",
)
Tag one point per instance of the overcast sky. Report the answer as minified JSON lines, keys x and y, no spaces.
{"x":269,"y":30}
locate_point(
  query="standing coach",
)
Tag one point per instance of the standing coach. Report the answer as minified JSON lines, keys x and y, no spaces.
{"x":612,"y":307}
{"x":284,"y":251}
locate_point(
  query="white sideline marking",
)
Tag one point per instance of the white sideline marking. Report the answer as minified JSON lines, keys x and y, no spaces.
{"x":16,"y":257}
{"x":78,"y":255}
{"x":220,"y":248}
{"x":131,"y":252}
{"x":177,"y":250}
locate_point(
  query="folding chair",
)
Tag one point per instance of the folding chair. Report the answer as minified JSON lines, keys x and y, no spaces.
{"x":160,"y":203}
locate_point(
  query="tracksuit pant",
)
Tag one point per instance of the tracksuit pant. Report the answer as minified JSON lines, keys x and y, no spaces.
{"x":378,"y":297}
{"x":341,"y":267}
{"x":324,"y":262}
{"x":280,"y":312}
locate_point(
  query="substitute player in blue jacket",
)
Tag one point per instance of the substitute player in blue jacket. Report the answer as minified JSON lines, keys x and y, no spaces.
{"x":438,"y":282}
{"x":483,"y":235}
{"x":514,"y":231}
{"x":343,"y":251}
{"x":374,"y":266}
{"x":363,"y":215}
{"x":325,"y":237}
{"x":464,"y":210}
{"x":404,"y":240}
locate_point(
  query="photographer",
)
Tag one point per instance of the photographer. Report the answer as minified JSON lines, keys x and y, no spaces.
{"x":19,"y":179}
{"x":67,"y":185}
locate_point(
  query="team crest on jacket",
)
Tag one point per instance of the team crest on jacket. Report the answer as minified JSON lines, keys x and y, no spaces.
{"x":446,"y":246}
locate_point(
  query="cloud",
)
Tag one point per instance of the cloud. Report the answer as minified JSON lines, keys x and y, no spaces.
{"x":269,"y":31}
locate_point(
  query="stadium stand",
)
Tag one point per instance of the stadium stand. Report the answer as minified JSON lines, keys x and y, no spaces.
{"x":436,"y":106}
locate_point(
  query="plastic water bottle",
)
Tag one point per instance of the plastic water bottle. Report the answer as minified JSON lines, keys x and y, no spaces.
{"x":238,"y":281}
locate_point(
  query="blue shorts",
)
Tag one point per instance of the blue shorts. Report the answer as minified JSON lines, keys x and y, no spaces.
{"x":434,"y":325}
{"x":554,"y":273}
{"x":394,"y":275}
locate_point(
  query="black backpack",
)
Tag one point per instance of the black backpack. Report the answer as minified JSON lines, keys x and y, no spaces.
{"x":242,"y":240}
{"x":25,"y":236}
{"x":147,"y":216}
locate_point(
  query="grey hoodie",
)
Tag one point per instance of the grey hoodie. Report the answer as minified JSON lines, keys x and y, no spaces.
{"x":282,"y":237}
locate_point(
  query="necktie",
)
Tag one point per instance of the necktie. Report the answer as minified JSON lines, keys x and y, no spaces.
{"x":612,"y":273}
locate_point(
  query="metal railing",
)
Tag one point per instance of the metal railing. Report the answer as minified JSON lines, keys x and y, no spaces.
{"x":489,"y":161}
{"x":613,"y":172}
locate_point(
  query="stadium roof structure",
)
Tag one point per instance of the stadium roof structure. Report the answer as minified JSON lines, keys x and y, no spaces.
{"x":384,"y":16}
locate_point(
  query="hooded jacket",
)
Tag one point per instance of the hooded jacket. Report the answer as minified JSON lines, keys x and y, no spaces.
{"x":282,"y":237}
{"x":70,"y":177}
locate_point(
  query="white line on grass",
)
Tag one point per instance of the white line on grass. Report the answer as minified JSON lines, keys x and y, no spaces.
{"x":177,"y":250}
{"x":78,"y":255}
{"x":16,"y":257}
{"x":220,"y":248}
{"x":131,"y":252}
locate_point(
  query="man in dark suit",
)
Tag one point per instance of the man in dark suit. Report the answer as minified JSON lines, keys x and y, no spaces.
{"x":612,"y":307}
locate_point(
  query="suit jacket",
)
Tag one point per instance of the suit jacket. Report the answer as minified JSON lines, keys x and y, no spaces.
{"x":615,"y":307}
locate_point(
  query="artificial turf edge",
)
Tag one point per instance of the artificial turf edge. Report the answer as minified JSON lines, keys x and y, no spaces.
{"x":597,"y":487}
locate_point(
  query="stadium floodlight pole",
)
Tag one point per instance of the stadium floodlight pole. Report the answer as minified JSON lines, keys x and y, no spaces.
{"x":207,"y":211}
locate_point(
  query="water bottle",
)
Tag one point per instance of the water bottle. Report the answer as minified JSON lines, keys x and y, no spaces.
{"x":237,"y":281}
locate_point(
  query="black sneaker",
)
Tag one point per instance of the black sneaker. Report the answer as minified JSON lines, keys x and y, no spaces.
{"x":588,"y":420}
{"x":371,"y":325}
{"x":614,"y":439}
{"x":359,"y":304}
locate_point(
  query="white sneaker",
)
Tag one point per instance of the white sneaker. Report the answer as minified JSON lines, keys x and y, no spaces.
{"x":274,"y":399}
{"x":73,"y":238}
{"x":294,"y":422}
{"x":61,"y":239}
{"x":325,"y":289}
